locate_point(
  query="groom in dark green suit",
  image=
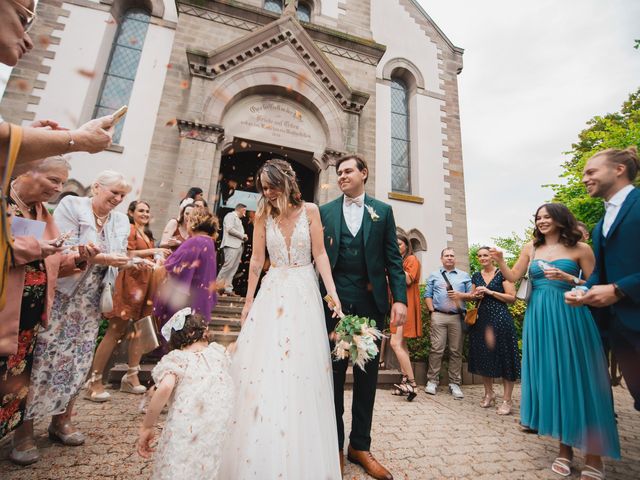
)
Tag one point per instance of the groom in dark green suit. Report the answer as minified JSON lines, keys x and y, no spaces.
{"x":360,"y":239}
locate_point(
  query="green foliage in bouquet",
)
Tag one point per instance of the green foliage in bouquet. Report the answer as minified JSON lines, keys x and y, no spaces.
{"x":356,"y":339}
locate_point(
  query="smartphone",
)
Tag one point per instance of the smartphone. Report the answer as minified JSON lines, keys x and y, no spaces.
{"x":62,"y":238}
{"x":118,"y":114}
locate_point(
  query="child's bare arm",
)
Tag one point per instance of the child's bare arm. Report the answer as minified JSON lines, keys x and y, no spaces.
{"x":157,"y":403}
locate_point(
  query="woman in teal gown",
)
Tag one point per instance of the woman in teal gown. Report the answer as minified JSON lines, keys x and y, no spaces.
{"x":566,"y":392}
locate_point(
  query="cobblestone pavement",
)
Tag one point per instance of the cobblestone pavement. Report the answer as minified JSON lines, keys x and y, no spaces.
{"x":430,"y":438}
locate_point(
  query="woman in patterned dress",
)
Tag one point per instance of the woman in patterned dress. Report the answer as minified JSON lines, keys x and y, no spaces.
{"x":64,"y":351}
{"x":37,"y":265}
{"x":493,"y":341}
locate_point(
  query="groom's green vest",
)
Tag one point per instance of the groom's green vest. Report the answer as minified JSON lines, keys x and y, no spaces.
{"x":379,"y":251}
{"x":350,"y":273}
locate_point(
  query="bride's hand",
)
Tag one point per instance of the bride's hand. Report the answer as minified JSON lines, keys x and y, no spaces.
{"x":245,"y":311}
{"x":337,"y":305}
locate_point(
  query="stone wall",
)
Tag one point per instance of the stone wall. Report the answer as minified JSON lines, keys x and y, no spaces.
{"x":28,"y":78}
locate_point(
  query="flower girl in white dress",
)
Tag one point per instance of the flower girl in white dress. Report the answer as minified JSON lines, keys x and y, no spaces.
{"x":194,"y":377}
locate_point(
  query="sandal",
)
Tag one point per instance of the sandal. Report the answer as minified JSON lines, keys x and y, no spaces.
{"x":400,"y":388}
{"x":93,"y":396}
{"x":505,"y":408}
{"x":406,"y":387}
{"x":562,"y":466}
{"x":592,"y":472}
{"x":488,"y":400}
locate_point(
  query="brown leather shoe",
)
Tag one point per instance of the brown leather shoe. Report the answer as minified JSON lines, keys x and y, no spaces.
{"x":370,"y":464}
{"x":341,"y":454}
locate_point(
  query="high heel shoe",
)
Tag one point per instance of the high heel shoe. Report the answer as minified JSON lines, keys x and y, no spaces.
{"x":488,"y":400}
{"x":504,"y":408}
{"x":406,"y":387}
{"x":399,"y":388}
{"x":93,"y":396}
{"x":126,"y":385}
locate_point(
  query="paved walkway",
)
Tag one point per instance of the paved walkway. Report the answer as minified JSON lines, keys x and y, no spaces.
{"x":431,"y":438}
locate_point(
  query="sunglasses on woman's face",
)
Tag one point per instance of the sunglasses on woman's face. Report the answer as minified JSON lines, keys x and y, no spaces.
{"x":27,"y":17}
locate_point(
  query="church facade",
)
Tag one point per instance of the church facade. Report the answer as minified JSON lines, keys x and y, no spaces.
{"x":216,"y":87}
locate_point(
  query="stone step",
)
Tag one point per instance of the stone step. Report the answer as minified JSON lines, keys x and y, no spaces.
{"x":227,"y":310}
{"x":224,"y":338}
{"x":226,"y":299}
{"x":222,"y":324}
{"x":385,"y":377}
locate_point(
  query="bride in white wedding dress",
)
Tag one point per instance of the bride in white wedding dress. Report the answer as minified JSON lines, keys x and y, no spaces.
{"x":283,"y":423}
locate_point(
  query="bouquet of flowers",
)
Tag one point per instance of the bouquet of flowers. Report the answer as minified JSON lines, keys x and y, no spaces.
{"x":355,"y":337}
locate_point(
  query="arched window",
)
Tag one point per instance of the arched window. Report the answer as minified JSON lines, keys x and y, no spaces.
{"x":400,"y":137}
{"x":123,"y":65}
{"x":304,"y":12}
{"x":274,"y":6}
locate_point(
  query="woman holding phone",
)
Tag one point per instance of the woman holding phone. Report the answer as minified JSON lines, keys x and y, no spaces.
{"x":64,"y":351}
{"x":38,"y":262}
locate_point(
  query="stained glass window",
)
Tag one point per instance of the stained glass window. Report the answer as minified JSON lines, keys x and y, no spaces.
{"x":123,"y":65}
{"x":400,"y":137}
{"x":304,"y":12}
{"x":273,"y":5}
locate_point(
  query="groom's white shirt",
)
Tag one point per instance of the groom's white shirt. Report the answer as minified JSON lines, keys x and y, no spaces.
{"x":353,"y":214}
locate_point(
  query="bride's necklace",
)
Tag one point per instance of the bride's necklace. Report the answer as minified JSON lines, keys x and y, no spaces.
{"x":22,"y":205}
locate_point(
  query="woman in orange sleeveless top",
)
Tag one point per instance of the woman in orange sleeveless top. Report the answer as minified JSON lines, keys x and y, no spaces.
{"x":413,"y":327}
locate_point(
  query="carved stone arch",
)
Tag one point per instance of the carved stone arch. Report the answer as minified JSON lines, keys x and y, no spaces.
{"x":406,"y":70}
{"x":281,"y":82}
{"x":416,"y":238}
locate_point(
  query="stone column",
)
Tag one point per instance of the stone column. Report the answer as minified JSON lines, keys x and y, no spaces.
{"x":196,"y":157}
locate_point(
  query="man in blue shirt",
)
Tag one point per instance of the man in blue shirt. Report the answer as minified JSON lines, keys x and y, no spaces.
{"x":447,"y":289}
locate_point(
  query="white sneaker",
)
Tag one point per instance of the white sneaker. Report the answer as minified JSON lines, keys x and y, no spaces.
{"x":431,"y":388}
{"x":455,"y":391}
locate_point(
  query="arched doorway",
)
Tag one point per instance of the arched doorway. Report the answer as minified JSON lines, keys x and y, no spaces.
{"x":236,"y":184}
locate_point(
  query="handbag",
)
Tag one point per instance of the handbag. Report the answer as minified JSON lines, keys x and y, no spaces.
{"x":106,"y":299}
{"x":471,"y":316}
{"x":6,"y":239}
{"x":146,"y":333}
{"x":524,"y":290}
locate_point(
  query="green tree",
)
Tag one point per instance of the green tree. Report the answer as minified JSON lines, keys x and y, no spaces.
{"x":613,"y":130}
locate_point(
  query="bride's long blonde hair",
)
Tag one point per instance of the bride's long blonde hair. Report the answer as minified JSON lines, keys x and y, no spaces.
{"x":280,"y":176}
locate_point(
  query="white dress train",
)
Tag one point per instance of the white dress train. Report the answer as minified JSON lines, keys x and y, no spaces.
{"x":283,"y":423}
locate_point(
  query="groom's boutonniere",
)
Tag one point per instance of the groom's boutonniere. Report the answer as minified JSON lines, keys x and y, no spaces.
{"x":372,"y":213}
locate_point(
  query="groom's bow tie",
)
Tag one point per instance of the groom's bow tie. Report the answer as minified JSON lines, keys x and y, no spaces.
{"x":353,"y":201}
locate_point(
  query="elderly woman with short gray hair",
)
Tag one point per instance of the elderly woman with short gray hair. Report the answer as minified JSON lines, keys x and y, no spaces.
{"x":64,"y":351}
{"x":37,"y":264}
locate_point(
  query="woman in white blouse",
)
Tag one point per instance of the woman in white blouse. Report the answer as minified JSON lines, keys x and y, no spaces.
{"x":64,"y":351}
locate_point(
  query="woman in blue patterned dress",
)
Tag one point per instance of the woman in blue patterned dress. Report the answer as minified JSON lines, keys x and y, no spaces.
{"x":565,"y":385}
{"x":493,"y":341}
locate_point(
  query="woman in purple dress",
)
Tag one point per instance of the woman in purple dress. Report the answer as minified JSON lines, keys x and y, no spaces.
{"x":191,"y":272}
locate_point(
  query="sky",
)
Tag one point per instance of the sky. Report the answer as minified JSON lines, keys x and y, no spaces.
{"x":534,"y":73}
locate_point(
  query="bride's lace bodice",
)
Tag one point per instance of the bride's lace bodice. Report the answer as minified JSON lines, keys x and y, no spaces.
{"x":299,"y":251}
